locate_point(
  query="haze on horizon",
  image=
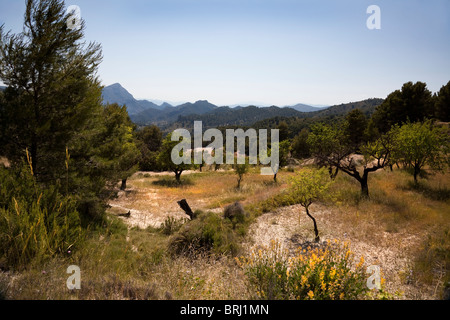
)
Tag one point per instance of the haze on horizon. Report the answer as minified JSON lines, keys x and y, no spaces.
{"x":266,"y":52}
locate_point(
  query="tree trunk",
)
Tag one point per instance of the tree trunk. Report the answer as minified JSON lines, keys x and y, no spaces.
{"x":239,"y":183}
{"x":333,"y":174}
{"x":364,"y":185}
{"x":416,"y":174}
{"x":316,"y":231}
{"x":177,"y":176}
{"x":275,"y":177}
{"x":124,"y":184}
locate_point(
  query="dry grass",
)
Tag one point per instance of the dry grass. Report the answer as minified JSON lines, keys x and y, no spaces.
{"x":401,"y":228}
{"x":129,"y":264}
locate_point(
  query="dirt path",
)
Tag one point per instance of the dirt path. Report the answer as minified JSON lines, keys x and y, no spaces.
{"x":147,"y":204}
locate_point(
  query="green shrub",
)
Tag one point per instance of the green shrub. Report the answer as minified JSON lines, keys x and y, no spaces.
{"x":171,"y":225}
{"x":207,"y":233}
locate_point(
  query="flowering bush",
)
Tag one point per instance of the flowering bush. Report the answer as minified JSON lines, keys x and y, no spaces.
{"x":319,"y":274}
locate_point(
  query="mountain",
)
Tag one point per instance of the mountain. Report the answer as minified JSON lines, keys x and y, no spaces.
{"x":115,"y":93}
{"x":199,"y":107}
{"x":145,"y":112}
{"x":304,"y":108}
{"x":165,"y":105}
{"x":170,"y":114}
{"x":2,"y":88}
{"x":148,"y":104}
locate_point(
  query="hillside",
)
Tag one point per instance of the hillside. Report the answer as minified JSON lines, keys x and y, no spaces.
{"x":225,"y":116}
{"x":331,"y":114}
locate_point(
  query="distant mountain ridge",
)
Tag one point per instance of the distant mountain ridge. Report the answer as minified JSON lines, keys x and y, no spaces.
{"x":305,"y":108}
{"x":166,"y":116}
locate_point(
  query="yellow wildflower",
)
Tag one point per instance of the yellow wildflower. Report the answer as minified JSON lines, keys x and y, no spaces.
{"x":347,"y":254}
{"x":361,"y":262}
{"x":311,"y":294}
{"x":332,"y":272}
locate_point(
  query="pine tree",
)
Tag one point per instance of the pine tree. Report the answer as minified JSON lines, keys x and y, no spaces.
{"x":52,"y":86}
{"x":52,"y":107}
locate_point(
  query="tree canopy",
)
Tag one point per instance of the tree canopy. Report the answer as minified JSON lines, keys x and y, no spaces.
{"x":413,"y":102}
{"x":52,"y":108}
{"x":419,"y":144}
{"x":306,"y":187}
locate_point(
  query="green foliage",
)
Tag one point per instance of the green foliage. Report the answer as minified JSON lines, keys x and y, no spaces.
{"x":309,"y":185}
{"x":331,"y":147}
{"x":413,"y":102}
{"x":53,"y":103}
{"x":312,"y":274}
{"x":241,"y":170}
{"x":442,"y":103}
{"x":328,"y":141}
{"x":102,"y":153}
{"x":284,"y":133}
{"x":419,"y":144}
{"x":52,"y":87}
{"x":149,"y":140}
{"x":164,"y":158}
{"x":206,"y":233}
{"x":171,"y":225}
{"x":300,"y":146}
{"x":356,"y":127}
{"x":118,"y":146}
{"x":35,"y":222}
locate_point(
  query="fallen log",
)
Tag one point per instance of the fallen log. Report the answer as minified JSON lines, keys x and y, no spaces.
{"x":186,"y":208}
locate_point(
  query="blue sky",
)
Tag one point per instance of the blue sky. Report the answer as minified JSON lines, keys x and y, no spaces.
{"x":269,"y":52}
